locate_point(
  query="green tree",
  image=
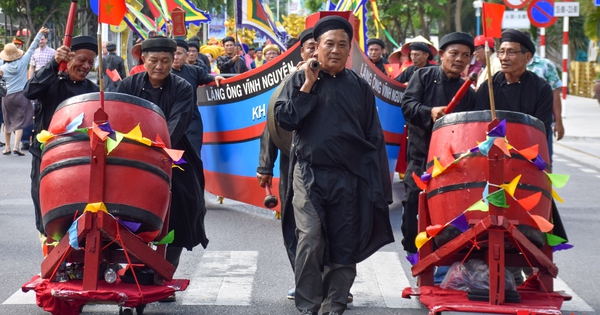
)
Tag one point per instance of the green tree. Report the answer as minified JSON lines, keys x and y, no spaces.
{"x":33,"y":14}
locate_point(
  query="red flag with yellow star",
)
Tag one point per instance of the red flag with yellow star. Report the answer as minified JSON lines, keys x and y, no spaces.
{"x":492,"y":19}
{"x":111,"y":11}
{"x":392,"y":69}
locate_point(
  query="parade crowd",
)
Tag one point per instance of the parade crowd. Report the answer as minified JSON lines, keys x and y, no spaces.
{"x":335,"y":185}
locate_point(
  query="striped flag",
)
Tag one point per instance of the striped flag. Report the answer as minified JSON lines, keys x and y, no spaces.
{"x":361,"y":13}
{"x":251,"y":14}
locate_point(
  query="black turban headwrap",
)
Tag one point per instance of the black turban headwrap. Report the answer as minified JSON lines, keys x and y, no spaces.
{"x":84,"y":42}
{"x":305,"y":35}
{"x":516,"y":36}
{"x":159,"y":44}
{"x":375,"y":41}
{"x":228,"y":39}
{"x":457,"y":38}
{"x":332,"y":22}
{"x":182,"y":43}
{"x":422,"y":47}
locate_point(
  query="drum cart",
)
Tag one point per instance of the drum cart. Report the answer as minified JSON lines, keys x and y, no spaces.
{"x":494,"y":238}
{"x":99,"y":240}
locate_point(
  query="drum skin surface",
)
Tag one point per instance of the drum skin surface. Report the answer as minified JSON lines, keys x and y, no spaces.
{"x":137,"y":177}
{"x":463,"y":184}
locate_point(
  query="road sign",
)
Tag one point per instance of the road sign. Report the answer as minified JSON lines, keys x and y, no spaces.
{"x":541,"y":13}
{"x":517,"y":4}
{"x":516,"y":19}
{"x":597,"y":3}
{"x":566,"y":9}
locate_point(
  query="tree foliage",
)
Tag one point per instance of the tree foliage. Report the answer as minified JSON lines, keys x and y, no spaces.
{"x":33,"y":14}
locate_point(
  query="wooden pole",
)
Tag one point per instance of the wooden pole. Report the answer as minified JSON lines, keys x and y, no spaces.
{"x":490,"y":81}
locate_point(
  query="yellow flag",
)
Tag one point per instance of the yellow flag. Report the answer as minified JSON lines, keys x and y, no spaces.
{"x":512,"y":186}
{"x":44,"y":136}
{"x":556,"y":196}
{"x":95,"y":207}
{"x":421,"y":239}
{"x":437,"y":167}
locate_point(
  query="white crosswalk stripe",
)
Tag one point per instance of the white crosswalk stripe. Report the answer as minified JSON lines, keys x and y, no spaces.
{"x":226,"y":278}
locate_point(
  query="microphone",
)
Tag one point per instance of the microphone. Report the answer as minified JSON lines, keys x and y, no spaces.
{"x":270,"y":200}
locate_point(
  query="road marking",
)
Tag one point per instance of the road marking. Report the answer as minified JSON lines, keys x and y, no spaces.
{"x":559,"y":159}
{"x":573,"y":164}
{"x":588,"y":170}
{"x":21,"y":297}
{"x":222,"y":278}
{"x":598,"y":176}
{"x":379,"y":282}
{"x":577,"y":304}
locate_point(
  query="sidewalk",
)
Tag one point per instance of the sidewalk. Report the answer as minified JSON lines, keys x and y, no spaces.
{"x":581,"y":119}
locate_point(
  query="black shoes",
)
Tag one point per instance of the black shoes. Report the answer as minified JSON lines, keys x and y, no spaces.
{"x":25,"y":146}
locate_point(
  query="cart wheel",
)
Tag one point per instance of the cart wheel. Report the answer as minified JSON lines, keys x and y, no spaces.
{"x":140,"y":309}
{"x":126,"y":311}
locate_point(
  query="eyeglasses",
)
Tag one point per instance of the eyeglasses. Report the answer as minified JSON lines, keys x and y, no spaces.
{"x":479,"y":47}
{"x":509,"y":53}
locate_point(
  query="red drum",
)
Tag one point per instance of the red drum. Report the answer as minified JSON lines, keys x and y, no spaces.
{"x":460,"y":186}
{"x":137,"y":177}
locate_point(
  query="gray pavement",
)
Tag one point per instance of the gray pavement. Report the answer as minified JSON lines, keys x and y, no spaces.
{"x":581,"y":119}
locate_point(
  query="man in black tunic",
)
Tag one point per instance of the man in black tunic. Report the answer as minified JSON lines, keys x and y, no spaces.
{"x":112,"y":62}
{"x":231,"y":62}
{"x":375,"y":49}
{"x":175,"y":97}
{"x":341,"y":179}
{"x":194,"y":58}
{"x":428,"y":93}
{"x":195,"y":76}
{"x":49,"y":90}
{"x":519,"y":90}
{"x":420,"y":54}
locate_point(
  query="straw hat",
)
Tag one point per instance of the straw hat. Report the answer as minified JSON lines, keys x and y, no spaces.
{"x":395,"y":56}
{"x":136,"y":52}
{"x":418,"y":39}
{"x":11,"y":52}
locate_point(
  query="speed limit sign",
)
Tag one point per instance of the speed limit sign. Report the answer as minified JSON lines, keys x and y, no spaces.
{"x":516,"y":4}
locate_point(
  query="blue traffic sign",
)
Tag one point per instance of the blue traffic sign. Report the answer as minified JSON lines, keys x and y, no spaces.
{"x":541,"y":13}
{"x":597,"y":3}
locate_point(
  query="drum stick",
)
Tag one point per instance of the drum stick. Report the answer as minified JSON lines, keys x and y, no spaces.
{"x":461,"y":93}
{"x":62,"y":67}
{"x":270,"y":200}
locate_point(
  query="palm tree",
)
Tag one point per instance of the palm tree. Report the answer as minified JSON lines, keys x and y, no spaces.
{"x":591,"y":27}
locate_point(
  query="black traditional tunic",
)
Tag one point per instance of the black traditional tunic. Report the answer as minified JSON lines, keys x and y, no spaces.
{"x":405,"y":76}
{"x":339,"y":145}
{"x":381,"y":64}
{"x":226,"y":65}
{"x":49,"y":91}
{"x":531,"y":95}
{"x":195,"y":76}
{"x":429,"y":87}
{"x":175,"y":98}
{"x":112,"y":62}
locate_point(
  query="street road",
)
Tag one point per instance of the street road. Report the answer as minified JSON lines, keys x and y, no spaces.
{"x":245,"y":270}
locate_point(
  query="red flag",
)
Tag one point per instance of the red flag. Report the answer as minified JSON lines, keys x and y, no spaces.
{"x":492,"y":19}
{"x":113,"y":75}
{"x":111,"y":11}
{"x":392,"y":69}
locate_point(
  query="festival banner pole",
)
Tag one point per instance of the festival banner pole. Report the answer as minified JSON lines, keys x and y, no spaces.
{"x":492,"y":27}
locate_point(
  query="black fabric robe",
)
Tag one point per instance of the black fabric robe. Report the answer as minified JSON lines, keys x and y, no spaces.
{"x":405,"y":76}
{"x":188,"y":209}
{"x":429,"y":87}
{"x":381,"y":64}
{"x":339,"y":145}
{"x":531,"y":95}
{"x":49,"y":91}
{"x":226,"y":65}
{"x":195,"y":76}
{"x":112,"y":62}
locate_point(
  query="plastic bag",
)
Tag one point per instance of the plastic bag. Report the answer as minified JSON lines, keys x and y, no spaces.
{"x":473,"y":274}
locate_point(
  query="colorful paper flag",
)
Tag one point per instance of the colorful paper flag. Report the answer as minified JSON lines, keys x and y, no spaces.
{"x":74,"y":124}
{"x":168,"y":239}
{"x":501,"y":144}
{"x":461,"y":223}
{"x":558,"y":180}
{"x":539,"y":162}
{"x":95,"y":207}
{"x":499,"y":130}
{"x":530,"y":202}
{"x":556,"y":196}
{"x":113,"y":75}
{"x":433,"y":230}
{"x":554,"y":240}
{"x":419,"y":182}
{"x":492,"y":16}
{"x":560,"y":247}
{"x":498,"y":199}
{"x":421,"y":239}
{"x":542,"y":223}
{"x":531,"y":152}
{"x":479,"y":206}
{"x":512,"y":186}
{"x":437,"y":167}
